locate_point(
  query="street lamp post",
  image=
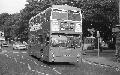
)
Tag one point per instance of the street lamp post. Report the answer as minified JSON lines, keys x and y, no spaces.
{"x":98,"y":36}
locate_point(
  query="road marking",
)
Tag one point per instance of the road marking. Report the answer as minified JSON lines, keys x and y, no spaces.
{"x":36,"y":63}
{"x":23,"y":63}
{"x":38,"y":71}
{"x":44,"y":66}
{"x":10,"y":57}
{"x":23,"y":52}
{"x":29,"y":67}
{"x":102,"y":65}
{"x":42,"y":73}
{"x":4,"y":51}
{"x":22,"y":57}
{"x":117,"y":69}
{"x":15,"y":59}
{"x":33,"y":70}
{"x":18,"y":55}
{"x":56,"y":70}
{"x":53,"y":68}
{"x":15,"y":52}
{"x":6,"y":55}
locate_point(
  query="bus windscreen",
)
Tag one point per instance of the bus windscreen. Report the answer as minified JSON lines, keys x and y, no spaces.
{"x":65,"y":41}
{"x":59,"y":41}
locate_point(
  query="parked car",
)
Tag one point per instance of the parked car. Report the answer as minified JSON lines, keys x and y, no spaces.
{"x":0,"y":49}
{"x":4,"y":45}
{"x":19,"y":46}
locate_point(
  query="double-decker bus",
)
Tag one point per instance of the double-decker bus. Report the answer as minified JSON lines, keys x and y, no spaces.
{"x":55,"y":35}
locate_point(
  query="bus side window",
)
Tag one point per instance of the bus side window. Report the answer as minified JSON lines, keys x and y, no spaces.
{"x":40,"y":38}
{"x":48,"y":13}
{"x":32,"y":40}
{"x":47,"y":40}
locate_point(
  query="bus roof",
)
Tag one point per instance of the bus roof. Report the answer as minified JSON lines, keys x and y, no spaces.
{"x":66,"y":7}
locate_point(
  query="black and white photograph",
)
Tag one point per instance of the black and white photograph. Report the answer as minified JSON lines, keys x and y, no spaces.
{"x":59,"y":37}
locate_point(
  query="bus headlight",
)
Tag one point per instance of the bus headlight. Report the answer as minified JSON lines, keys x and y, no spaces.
{"x":55,"y":26}
{"x":78,"y":27}
{"x":53,"y":55}
{"x":78,"y":55}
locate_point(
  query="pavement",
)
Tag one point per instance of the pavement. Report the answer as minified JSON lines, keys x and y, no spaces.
{"x":18,"y":62}
{"x":106,"y":58}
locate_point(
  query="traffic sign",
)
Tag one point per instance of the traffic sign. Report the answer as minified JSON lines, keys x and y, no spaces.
{"x":98,"y":34}
{"x":115,"y":29}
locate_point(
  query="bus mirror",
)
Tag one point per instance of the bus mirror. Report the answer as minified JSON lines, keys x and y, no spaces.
{"x":47,"y":39}
{"x":47,"y":43}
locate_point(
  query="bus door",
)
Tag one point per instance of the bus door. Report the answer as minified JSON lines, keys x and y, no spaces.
{"x":73,"y":45}
{"x":58,"y":42}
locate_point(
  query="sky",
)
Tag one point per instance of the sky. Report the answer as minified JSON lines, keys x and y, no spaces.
{"x":11,"y":6}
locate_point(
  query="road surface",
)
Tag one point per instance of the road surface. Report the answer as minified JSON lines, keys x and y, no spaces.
{"x":16,"y":62}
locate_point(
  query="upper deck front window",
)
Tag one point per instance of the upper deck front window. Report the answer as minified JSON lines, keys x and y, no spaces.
{"x":61,"y":14}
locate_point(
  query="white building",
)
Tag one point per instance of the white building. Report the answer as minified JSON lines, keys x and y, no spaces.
{"x":2,"y":38}
{"x":2,"y":33}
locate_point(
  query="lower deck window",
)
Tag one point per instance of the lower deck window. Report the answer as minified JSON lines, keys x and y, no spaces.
{"x":65,"y":41}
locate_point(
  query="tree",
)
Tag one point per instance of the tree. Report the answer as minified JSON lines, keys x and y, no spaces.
{"x":102,"y":14}
{"x":94,"y":11}
{"x":3,"y":18}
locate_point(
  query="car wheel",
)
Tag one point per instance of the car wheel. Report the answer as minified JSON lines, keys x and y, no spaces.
{"x":14,"y":48}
